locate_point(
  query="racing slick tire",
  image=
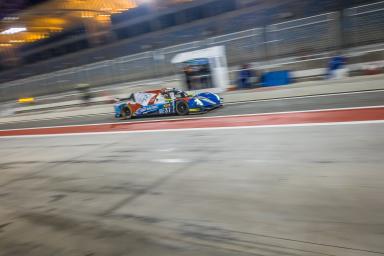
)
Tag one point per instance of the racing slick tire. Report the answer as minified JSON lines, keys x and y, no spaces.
{"x":126,"y":113}
{"x":182,"y":108}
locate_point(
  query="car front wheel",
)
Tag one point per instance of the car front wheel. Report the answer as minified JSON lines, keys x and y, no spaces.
{"x":182,"y":108}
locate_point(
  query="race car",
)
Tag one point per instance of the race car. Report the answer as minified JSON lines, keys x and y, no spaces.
{"x":165,"y":102}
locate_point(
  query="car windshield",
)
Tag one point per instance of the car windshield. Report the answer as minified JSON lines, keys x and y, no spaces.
{"x":180,"y":94}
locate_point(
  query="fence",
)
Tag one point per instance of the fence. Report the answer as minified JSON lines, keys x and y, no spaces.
{"x":164,"y":56}
{"x":304,"y":36}
{"x":358,"y":26}
{"x":364,"y":24}
{"x":242,"y":46}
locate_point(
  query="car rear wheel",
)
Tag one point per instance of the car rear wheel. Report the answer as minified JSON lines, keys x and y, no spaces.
{"x":126,"y":113}
{"x":182,"y":108}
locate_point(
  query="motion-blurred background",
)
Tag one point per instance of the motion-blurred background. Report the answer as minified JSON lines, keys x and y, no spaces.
{"x":291,"y":164}
{"x":49,"y":46}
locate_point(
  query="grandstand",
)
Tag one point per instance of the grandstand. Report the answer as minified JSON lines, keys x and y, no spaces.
{"x":143,"y":20}
{"x":148,"y":29}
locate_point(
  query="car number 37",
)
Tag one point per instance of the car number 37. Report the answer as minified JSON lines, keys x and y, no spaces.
{"x":165,"y":110}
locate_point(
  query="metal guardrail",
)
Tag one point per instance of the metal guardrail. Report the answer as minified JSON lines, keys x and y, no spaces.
{"x":308,"y":36}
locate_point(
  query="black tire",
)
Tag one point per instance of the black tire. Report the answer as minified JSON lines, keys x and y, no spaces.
{"x":126,"y":113}
{"x":182,"y":108}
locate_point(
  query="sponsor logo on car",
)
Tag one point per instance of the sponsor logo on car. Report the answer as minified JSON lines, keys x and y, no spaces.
{"x":147,"y":109}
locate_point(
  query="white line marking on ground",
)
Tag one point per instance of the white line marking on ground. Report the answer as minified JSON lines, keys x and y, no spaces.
{"x":57,"y":118}
{"x":199,"y":118}
{"x":171,"y":161}
{"x":303,"y":97}
{"x":200,"y":129}
{"x":166,"y":150}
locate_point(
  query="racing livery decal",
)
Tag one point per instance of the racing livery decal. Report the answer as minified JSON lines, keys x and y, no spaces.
{"x":164,"y":102}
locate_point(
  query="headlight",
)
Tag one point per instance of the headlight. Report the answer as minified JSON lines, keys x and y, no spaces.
{"x":198,"y":102}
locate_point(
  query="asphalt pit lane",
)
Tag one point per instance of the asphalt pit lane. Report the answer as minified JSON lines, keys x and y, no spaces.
{"x":83,"y":161}
{"x":56,"y":198}
{"x":150,"y":220}
{"x":4,"y":225}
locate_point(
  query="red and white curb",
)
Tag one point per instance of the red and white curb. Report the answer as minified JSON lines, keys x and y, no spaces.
{"x":297,"y":118}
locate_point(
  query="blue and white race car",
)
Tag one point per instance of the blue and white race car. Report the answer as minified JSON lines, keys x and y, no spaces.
{"x":164,"y":102}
